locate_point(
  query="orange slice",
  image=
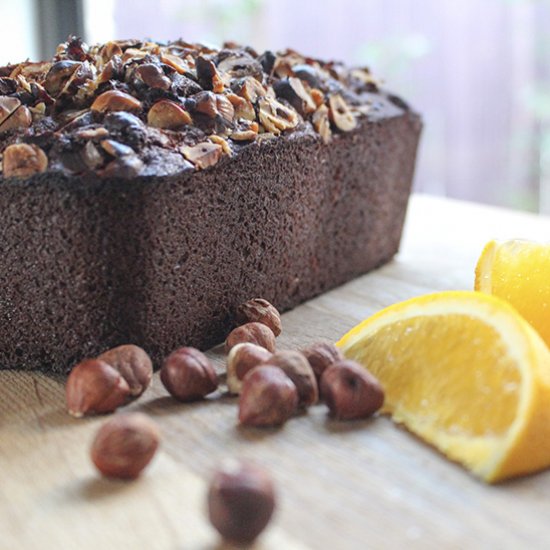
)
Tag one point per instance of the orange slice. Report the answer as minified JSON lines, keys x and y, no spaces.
{"x":465,"y":372}
{"x":519,"y":272}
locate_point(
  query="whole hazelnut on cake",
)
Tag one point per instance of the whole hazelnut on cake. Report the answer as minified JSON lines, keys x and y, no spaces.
{"x":188,"y":374}
{"x":241,"y":501}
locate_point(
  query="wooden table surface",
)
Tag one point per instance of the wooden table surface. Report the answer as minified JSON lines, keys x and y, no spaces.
{"x":366,"y":484}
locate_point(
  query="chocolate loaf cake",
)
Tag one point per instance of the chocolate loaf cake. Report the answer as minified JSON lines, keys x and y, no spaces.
{"x":147,"y":189}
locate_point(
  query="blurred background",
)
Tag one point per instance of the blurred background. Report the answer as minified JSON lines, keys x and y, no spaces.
{"x":478,"y":71}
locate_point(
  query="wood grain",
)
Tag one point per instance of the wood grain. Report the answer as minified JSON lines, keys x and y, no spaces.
{"x":342,"y":486}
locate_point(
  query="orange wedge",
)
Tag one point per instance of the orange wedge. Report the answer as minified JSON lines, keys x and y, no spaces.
{"x":465,"y":372}
{"x":519,"y":272}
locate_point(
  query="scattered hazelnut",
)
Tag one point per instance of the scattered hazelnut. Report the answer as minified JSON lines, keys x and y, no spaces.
{"x":249,"y":88}
{"x":340,"y":113}
{"x":243,"y":107}
{"x":241,"y":359}
{"x":208,"y":75}
{"x":134,"y":365}
{"x":94,"y":387}
{"x":255,"y":333}
{"x":261,"y":311}
{"x":168,"y":115}
{"x":350,"y":391}
{"x":23,"y":160}
{"x":241,"y":501}
{"x":268,"y":397}
{"x":321,"y":356}
{"x":188,"y":374}
{"x":203,"y":154}
{"x":295,"y":365}
{"x":124,"y":445}
{"x":225,"y":108}
{"x":114,"y":100}
{"x":116,"y":149}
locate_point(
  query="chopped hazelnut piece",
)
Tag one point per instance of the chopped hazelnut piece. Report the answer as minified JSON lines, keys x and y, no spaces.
{"x":23,"y":160}
{"x":321,"y":123}
{"x":113,"y":100}
{"x":168,"y":114}
{"x":13,"y":114}
{"x":276,"y":117}
{"x":203,"y":154}
{"x":340,"y":113}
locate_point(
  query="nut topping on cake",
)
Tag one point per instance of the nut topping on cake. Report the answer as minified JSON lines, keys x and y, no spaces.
{"x":183,"y":95}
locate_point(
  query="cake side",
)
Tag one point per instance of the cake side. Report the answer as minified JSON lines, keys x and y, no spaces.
{"x":89,"y":263}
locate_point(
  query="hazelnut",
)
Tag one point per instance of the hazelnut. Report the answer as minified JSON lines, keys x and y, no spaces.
{"x":276,"y":117}
{"x":321,"y":123}
{"x":293,"y":90}
{"x":153,"y":76}
{"x":249,"y":88}
{"x":241,"y":501}
{"x":340,"y":113}
{"x":261,"y":311}
{"x":94,"y":387}
{"x":203,"y":154}
{"x":208,"y":75}
{"x":321,"y":356}
{"x":124,"y":445}
{"x":295,"y":365}
{"x":13,"y":114}
{"x":188,"y":374}
{"x":225,"y":108}
{"x":114,"y":100}
{"x":243,"y":107}
{"x":133,"y":363}
{"x":255,"y":333}
{"x":268,"y":397}
{"x":168,"y":115}
{"x":241,"y":359}
{"x":23,"y":160}
{"x":350,"y":391}
{"x":116,"y":149}
{"x":59,"y":75}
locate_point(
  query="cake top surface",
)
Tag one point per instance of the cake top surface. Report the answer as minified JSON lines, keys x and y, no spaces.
{"x":138,"y":108}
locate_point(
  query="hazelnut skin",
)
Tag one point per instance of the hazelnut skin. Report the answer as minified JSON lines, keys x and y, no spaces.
{"x":241,"y":501}
{"x":188,"y":374}
{"x":94,"y":387}
{"x":321,"y":356}
{"x":125,"y":445}
{"x":241,"y":359}
{"x":254,"y":333}
{"x":295,"y":365}
{"x":268,"y":397}
{"x":260,"y":311}
{"x":134,"y":365}
{"x":350,"y":391}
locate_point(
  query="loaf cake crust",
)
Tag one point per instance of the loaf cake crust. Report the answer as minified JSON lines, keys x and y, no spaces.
{"x":153,"y":241}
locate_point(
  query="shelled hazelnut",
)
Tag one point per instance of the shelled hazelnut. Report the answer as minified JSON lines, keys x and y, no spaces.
{"x":241,"y":359}
{"x":254,"y":333}
{"x":125,"y":445}
{"x":295,"y":365}
{"x":188,"y":374}
{"x":115,"y":100}
{"x":95,"y":387}
{"x":260,"y":311}
{"x":133,"y":363}
{"x":350,"y":391}
{"x":241,"y":501}
{"x":23,"y":160}
{"x":268,"y":397}
{"x":321,"y":356}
